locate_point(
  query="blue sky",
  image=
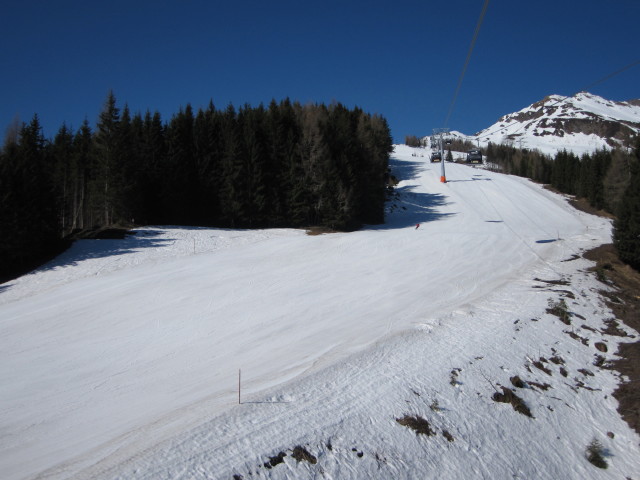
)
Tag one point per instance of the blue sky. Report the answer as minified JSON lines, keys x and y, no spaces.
{"x":401,"y":59}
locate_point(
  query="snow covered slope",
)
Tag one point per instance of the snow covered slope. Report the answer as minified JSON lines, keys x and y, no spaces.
{"x":120,"y":359}
{"x":582,"y":124}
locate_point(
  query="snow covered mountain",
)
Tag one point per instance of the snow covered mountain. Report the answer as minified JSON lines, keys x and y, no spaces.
{"x":581,"y":123}
{"x":433,"y":346}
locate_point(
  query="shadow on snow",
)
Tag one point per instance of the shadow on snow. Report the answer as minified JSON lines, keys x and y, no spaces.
{"x":407,"y":208}
{"x":88,"y":249}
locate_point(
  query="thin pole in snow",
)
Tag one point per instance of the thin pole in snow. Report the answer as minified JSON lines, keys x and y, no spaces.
{"x":239,"y":377}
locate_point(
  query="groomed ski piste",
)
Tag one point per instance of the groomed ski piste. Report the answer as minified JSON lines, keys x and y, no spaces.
{"x":374,"y":354}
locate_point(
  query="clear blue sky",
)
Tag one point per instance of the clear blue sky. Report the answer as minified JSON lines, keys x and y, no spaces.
{"x":399,"y":58}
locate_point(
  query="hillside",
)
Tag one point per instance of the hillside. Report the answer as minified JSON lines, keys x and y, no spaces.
{"x":582,"y":124}
{"x":373,"y":354}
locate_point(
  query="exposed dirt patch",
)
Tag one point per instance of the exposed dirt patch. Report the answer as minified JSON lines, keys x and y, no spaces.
{"x":417,"y":424}
{"x":626,"y":281}
{"x":601,"y":347}
{"x":560,"y":310}
{"x":509,"y":396}
{"x":301,"y":454}
{"x":557,"y":359}
{"x":517,"y":382}
{"x":447,"y":435}
{"x":613,"y":328}
{"x":583,"y":205}
{"x":273,"y":461}
{"x":540,"y":386}
{"x":540,"y":366}
{"x":320,"y":230}
{"x":575,"y":336}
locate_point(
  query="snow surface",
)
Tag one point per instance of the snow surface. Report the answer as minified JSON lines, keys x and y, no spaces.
{"x":529,"y":134}
{"x":120,"y":358}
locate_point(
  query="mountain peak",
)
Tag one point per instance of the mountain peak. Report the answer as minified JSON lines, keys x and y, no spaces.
{"x":581,"y":123}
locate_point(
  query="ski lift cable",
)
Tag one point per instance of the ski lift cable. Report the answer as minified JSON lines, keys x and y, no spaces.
{"x":466,"y":63}
{"x":583,"y":89}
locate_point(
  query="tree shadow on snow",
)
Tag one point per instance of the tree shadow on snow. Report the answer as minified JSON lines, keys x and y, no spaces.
{"x":87,"y":249}
{"x":407,"y":208}
{"x":403,"y":170}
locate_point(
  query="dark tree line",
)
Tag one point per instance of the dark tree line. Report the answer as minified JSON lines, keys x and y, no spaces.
{"x":285,"y":165}
{"x":608,"y":180}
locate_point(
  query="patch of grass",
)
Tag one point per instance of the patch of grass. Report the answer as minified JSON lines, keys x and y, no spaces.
{"x":541,"y":386}
{"x":516,"y":381}
{"x":417,"y":424}
{"x":509,"y":396}
{"x":557,"y":359}
{"x":575,"y":336}
{"x":273,"y":461}
{"x":600,"y":346}
{"x":540,"y":366}
{"x":560,"y":309}
{"x":300,"y":453}
{"x":601,"y":275}
{"x":595,"y":454}
{"x":318,"y":230}
{"x":447,"y":435}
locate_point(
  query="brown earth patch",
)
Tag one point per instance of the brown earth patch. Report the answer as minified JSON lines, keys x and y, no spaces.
{"x":509,"y":396}
{"x":417,"y":424}
{"x":625,"y":304}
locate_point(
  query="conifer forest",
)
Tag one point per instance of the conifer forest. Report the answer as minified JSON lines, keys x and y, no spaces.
{"x":285,"y":165}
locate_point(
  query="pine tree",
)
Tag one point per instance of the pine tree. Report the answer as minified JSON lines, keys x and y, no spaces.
{"x":626,"y":234}
{"x":105,"y":151}
{"x":180,"y":192}
{"x":64,"y":176}
{"x":28,"y":212}
{"x":82,"y":162}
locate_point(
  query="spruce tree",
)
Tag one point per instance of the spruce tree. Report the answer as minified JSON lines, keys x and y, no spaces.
{"x":105,"y":152}
{"x":82,"y":161}
{"x":64,"y":176}
{"x":626,"y":234}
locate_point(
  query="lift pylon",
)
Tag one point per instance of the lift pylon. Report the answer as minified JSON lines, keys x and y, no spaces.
{"x":440,"y":133}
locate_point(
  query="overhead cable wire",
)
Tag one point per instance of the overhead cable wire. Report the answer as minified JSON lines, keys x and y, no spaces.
{"x":466,"y":63}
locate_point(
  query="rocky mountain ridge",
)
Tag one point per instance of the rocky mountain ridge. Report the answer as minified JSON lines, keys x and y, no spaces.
{"x":581,"y":123}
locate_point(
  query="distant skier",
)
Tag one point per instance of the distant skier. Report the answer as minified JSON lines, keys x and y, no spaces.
{"x":417,"y":226}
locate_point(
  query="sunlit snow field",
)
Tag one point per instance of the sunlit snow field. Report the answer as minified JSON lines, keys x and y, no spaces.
{"x":120,"y":358}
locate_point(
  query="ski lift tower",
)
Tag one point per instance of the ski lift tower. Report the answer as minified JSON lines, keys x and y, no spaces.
{"x":439,"y":133}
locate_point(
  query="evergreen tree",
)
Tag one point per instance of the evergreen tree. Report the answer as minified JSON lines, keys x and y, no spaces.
{"x":105,"y":151}
{"x":64,"y":176}
{"x":626,"y":234}
{"x":154,"y":170}
{"x":180,"y":194}
{"x":82,"y":166}
{"x":233,"y":186}
{"x":28,"y":212}
{"x":449,"y":156}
